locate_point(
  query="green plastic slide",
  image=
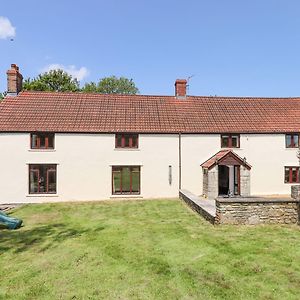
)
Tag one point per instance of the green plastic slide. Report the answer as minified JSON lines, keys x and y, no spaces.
{"x":9,"y":222}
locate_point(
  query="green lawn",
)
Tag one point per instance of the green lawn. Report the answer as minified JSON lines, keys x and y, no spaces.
{"x":156,"y":249}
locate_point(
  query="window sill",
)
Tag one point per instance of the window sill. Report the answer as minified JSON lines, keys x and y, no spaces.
{"x":41,"y":150}
{"x":127,"y":149}
{"x":42,"y":195}
{"x":126,"y":197}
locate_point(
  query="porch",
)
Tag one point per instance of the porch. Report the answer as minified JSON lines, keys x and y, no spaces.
{"x":226,"y":174}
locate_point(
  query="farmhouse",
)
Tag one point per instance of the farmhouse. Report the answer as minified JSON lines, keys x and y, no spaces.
{"x":77,"y":146}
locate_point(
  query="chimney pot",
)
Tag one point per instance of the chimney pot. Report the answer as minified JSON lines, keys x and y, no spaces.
{"x":14,"y":80}
{"x":180,"y":88}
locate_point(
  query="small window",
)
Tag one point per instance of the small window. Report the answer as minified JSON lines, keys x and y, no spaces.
{"x":292,"y":140}
{"x":126,"y":180}
{"x":230,"y":141}
{"x":291,"y":175}
{"x":126,"y":140}
{"x":42,"y":141}
{"x":42,"y":179}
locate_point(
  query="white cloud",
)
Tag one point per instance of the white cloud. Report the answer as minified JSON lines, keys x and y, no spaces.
{"x":6,"y":29}
{"x":79,"y":73}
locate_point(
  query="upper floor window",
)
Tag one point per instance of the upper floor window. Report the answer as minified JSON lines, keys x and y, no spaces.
{"x":292,"y":140}
{"x":291,"y":175}
{"x":230,"y":140}
{"x":42,"y":179}
{"x":127,"y":140}
{"x":42,"y":140}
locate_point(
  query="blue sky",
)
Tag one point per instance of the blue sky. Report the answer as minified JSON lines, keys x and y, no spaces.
{"x":232,"y":47}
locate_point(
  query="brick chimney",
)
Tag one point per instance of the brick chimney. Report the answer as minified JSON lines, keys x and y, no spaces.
{"x":14,"y":80}
{"x":180,"y":88}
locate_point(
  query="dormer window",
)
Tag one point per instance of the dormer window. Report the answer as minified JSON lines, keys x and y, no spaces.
{"x":127,"y":140}
{"x":230,"y":141}
{"x":42,"y":140}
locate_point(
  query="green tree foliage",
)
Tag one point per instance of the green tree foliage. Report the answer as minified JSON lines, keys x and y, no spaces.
{"x":112,"y":85}
{"x":60,"y":81}
{"x":2,"y":95}
{"x":54,"y":80}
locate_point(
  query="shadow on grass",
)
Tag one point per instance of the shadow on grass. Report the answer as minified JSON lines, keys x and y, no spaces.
{"x":44,"y":236}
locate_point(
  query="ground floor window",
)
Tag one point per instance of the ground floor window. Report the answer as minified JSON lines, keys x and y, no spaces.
{"x":291,"y":175}
{"x":126,"y":180}
{"x":42,"y":179}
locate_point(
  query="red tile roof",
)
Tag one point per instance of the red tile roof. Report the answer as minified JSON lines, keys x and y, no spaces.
{"x":221,"y":156}
{"x":80,"y":112}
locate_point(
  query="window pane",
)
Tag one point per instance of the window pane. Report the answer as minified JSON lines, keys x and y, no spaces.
{"x":235,"y":141}
{"x":42,"y":141}
{"x":294,"y":174}
{"x":296,"y":140}
{"x":51,"y":181}
{"x":118,"y":140}
{"x":42,"y":178}
{"x":286,"y":175}
{"x":127,"y":141}
{"x":116,"y":182}
{"x":135,"y":141}
{"x":33,"y":181}
{"x":288,"y":141}
{"x":51,"y":141}
{"x":225,"y":141}
{"x":135,"y":181}
{"x":34,"y":140}
{"x":125,"y":180}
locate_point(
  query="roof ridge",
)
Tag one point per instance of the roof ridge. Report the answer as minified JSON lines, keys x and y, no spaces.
{"x":155,"y":96}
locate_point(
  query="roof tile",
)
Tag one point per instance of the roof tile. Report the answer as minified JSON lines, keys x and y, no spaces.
{"x":79,"y":112}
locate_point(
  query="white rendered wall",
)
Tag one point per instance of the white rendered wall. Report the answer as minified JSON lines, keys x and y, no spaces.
{"x":266,"y":153}
{"x":84,"y":163}
{"x":196,"y":148}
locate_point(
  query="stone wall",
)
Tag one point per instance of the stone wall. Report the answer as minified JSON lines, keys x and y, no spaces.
{"x":295,"y":192}
{"x":213,"y":183}
{"x":245,"y":181}
{"x":196,"y":207}
{"x":210,"y":183}
{"x":254,"y":211}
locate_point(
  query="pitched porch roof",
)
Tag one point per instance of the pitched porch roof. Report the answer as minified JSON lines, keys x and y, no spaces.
{"x":225,"y":157}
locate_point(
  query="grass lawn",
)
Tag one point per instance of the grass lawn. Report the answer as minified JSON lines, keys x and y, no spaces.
{"x":156,"y":249}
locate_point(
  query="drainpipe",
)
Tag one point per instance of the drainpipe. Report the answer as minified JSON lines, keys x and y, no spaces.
{"x":179,"y":158}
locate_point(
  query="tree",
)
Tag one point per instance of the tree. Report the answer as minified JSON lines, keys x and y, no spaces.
{"x":2,"y":95}
{"x":54,"y":80}
{"x":112,"y":85}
